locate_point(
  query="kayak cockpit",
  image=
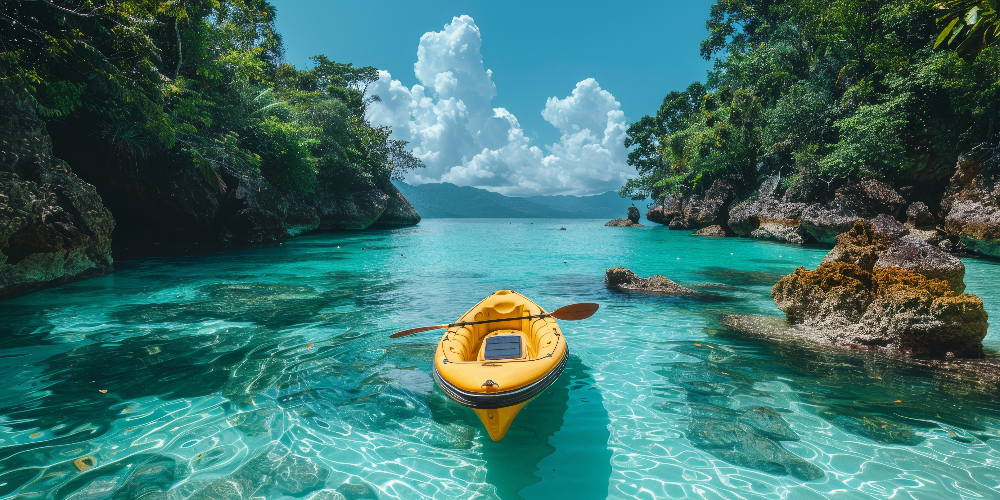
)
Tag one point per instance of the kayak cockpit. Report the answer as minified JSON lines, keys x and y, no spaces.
{"x":497,"y":367}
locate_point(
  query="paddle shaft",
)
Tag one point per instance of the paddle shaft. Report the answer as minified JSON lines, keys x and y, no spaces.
{"x":467,"y":323}
{"x":571,"y":312}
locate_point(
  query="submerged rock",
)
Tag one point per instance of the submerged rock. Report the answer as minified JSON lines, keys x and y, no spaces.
{"x":620,"y":278}
{"x":872,"y":427}
{"x":740,"y":444}
{"x":767,"y":422}
{"x":54,"y":227}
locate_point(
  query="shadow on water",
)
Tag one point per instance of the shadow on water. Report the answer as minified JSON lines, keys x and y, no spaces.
{"x":867,"y":393}
{"x":732,"y":399}
{"x":526,"y":464}
{"x":740,"y":277}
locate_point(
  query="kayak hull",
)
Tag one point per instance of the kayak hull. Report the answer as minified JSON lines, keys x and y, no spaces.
{"x":497,"y":386}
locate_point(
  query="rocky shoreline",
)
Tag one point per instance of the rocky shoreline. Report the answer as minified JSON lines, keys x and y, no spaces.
{"x":961,"y":215}
{"x":61,"y":223}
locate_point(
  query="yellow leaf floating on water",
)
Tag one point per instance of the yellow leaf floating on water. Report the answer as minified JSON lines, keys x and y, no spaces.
{"x":102,"y":391}
{"x":84,"y":463}
{"x":33,"y":436}
{"x":310,"y":346}
{"x":697,"y":345}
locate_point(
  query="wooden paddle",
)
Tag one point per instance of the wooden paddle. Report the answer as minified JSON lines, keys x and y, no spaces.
{"x":572,"y":312}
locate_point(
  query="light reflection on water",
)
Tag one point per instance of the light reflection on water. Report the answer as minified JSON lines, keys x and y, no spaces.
{"x":268,"y":373}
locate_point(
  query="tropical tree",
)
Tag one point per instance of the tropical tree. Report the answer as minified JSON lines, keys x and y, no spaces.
{"x":970,"y":27}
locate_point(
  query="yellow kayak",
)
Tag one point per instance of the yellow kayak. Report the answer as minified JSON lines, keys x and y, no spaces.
{"x":496,"y":368}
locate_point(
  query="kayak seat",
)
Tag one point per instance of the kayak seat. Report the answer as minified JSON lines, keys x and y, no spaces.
{"x":503,"y":344}
{"x":502,"y":347}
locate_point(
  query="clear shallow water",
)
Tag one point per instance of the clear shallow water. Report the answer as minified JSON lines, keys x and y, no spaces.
{"x":268,"y":373}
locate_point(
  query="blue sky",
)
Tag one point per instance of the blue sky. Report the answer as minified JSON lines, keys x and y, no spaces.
{"x":634,"y":52}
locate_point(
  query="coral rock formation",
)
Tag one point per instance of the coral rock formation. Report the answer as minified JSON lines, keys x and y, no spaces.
{"x":623,"y":279}
{"x":881,"y":287}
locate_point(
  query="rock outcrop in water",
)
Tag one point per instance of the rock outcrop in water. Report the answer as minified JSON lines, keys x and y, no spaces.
{"x":971,"y":206}
{"x":881,"y":287}
{"x":958,"y":216}
{"x":55,"y":228}
{"x":619,"y":278}
{"x":631,"y":221}
{"x":714,"y":231}
{"x":695,"y":209}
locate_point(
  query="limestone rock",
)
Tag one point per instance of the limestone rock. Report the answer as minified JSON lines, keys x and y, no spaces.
{"x":54,"y":227}
{"x":894,"y":308}
{"x":867,"y":198}
{"x":881,"y":286}
{"x":783,"y":231}
{"x":918,"y":216}
{"x":873,"y":427}
{"x":623,"y":279}
{"x":870,"y":197}
{"x":398,"y":212}
{"x":825,"y":222}
{"x":694,"y":210}
{"x":665,"y":211}
{"x":622,"y":223}
{"x":715,"y":230}
{"x":743,"y":218}
{"x":769,"y":218}
{"x":633,"y":214}
{"x":768,"y":423}
{"x":865,"y":243}
{"x":912,"y":253}
{"x":778,"y":217}
{"x":252,"y":210}
{"x":351,"y":209}
{"x":971,"y":207}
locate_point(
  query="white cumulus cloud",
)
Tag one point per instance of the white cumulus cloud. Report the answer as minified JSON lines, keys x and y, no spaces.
{"x":452,"y":127}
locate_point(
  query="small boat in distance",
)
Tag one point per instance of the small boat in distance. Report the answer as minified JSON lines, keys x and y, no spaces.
{"x":498,"y":366}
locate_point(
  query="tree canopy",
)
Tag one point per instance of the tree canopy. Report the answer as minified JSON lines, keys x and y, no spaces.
{"x":819,"y":92}
{"x":197,"y":84}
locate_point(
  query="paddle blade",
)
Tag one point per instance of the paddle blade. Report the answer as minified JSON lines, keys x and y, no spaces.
{"x":411,"y":331}
{"x":574,"y":312}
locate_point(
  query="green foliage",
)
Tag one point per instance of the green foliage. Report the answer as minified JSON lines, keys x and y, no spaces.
{"x":969,"y":27}
{"x":197,"y":84}
{"x":818,"y":92}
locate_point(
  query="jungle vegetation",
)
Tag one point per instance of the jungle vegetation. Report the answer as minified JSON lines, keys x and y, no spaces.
{"x":820,"y":92}
{"x":195,"y":84}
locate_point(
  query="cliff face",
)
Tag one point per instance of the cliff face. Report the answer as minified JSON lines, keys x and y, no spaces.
{"x":53,"y":226}
{"x":157,"y":203}
{"x":971,"y":207}
{"x":968,"y":219}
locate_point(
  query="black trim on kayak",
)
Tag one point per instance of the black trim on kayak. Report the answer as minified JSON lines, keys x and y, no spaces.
{"x":493,"y":400}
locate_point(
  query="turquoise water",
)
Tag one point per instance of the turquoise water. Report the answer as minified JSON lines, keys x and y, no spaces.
{"x":268,"y":373}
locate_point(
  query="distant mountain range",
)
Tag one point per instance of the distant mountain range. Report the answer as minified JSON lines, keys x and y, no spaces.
{"x":448,"y":201}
